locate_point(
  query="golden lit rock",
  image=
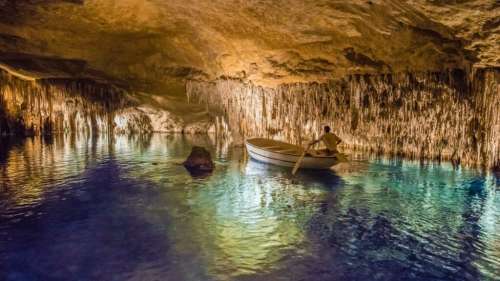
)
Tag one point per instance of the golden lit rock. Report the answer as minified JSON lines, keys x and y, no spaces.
{"x":413,"y":77}
{"x":420,"y":115}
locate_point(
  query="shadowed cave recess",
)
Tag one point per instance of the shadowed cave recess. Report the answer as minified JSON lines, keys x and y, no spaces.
{"x":412,"y":78}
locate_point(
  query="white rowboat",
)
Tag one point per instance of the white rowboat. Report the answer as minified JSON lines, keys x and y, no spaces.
{"x":285,"y":154}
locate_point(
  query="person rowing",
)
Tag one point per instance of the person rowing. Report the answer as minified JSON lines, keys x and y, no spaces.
{"x":330,"y":140}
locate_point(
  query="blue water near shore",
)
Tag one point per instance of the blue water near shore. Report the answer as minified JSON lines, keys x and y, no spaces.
{"x":123,"y":208}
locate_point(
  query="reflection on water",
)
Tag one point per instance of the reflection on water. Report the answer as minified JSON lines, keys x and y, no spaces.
{"x":123,"y":208}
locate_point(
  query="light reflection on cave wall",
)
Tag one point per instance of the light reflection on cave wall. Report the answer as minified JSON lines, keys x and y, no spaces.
{"x":419,"y":115}
{"x":61,"y":105}
{"x":46,"y":106}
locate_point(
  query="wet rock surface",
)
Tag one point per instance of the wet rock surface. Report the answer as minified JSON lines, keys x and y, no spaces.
{"x":199,"y":161}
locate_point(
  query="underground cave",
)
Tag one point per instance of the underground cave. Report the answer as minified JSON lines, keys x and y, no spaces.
{"x":336,"y":140}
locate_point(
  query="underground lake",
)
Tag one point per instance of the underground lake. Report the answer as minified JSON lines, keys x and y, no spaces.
{"x":124,"y":208}
{"x":249,"y":140}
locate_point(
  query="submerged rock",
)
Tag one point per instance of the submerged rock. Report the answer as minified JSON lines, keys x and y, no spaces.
{"x":199,"y":161}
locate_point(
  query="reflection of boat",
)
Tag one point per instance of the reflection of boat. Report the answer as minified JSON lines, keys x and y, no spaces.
{"x":285,"y":154}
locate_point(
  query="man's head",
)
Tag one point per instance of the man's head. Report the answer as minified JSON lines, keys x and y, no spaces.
{"x":327,"y":129}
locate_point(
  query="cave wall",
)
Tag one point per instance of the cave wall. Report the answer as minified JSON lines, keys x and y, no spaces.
{"x":436,"y":115}
{"x":487,"y":90}
{"x":58,"y":105}
{"x":82,"y":106}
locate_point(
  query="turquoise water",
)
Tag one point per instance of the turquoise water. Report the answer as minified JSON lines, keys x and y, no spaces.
{"x":123,"y":208}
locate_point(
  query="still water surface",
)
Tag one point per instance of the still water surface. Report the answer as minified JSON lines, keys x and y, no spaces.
{"x":122,"y":208}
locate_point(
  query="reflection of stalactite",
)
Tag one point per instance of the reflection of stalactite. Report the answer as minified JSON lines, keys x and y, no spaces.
{"x":470,"y":233}
{"x":56,"y":105}
{"x":422,"y":115}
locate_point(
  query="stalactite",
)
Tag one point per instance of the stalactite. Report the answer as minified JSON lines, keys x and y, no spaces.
{"x":487,"y":87}
{"x":64,"y":105}
{"x":47,"y":106}
{"x":419,"y":115}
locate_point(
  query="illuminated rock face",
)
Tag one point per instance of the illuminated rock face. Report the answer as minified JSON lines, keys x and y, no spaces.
{"x":140,"y":119}
{"x":64,"y":105}
{"x":421,"y":115}
{"x":153,"y":43}
{"x":44,"y":107}
{"x":300,"y":64}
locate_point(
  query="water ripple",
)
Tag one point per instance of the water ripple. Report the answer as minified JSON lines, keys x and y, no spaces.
{"x":123,"y":208}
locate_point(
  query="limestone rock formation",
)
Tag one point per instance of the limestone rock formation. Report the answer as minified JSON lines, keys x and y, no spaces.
{"x":58,"y":105}
{"x":82,"y":105}
{"x":155,"y":44}
{"x":199,"y":161}
{"x":421,"y":115}
{"x":413,"y":77}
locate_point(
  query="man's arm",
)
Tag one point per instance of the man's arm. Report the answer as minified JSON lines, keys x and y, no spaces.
{"x":316,"y":141}
{"x":339,"y":140}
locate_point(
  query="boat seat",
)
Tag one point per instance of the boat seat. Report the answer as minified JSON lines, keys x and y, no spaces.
{"x":288,"y":151}
{"x":271,"y":147}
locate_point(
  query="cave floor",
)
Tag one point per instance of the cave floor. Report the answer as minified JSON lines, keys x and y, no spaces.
{"x":123,"y":208}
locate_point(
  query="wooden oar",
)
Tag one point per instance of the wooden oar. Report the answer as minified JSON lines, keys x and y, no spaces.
{"x":342,"y":157}
{"x":297,"y":165}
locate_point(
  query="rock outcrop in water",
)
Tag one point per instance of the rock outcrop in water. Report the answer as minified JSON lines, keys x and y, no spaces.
{"x":422,"y":115}
{"x":199,"y":161}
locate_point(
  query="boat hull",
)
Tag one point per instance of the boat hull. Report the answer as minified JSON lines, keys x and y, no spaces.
{"x":286,"y":155}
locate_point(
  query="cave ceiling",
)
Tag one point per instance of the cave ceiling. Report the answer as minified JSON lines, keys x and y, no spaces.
{"x":153,"y":45}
